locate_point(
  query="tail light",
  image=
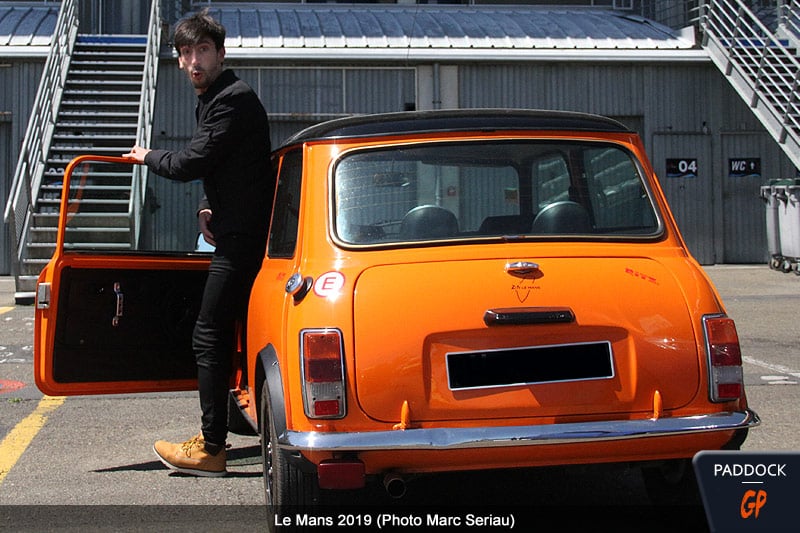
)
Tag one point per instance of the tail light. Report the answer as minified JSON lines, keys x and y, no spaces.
{"x":726,"y":379}
{"x":322,"y":358}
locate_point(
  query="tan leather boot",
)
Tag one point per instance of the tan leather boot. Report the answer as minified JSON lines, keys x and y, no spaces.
{"x":191,"y":457}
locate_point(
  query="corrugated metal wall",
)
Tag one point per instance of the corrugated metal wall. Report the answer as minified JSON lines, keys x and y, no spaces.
{"x":691,"y":195}
{"x":603,"y":89}
{"x":114,"y":16}
{"x":5,"y":184}
{"x":170,"y":221}
{"x":297,"y":97}
{"x":294,"y":97}
{"x":743,"y":212}
{"x":20,"y":81}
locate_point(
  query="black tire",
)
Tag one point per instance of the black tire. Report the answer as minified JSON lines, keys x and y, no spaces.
{"x":672,"y":483}
{"x":287,"y":489}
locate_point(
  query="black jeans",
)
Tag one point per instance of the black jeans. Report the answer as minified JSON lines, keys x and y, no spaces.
{"x":233,"y":269}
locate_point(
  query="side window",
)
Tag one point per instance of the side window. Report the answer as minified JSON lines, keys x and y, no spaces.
{"x":283,"y":230}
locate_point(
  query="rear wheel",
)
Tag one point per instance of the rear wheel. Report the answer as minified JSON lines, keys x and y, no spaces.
{"x":287,"y":488}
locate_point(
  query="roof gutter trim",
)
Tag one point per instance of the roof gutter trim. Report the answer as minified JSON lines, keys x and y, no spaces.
{"x":456,"y":55}
{"x":9,"y":52}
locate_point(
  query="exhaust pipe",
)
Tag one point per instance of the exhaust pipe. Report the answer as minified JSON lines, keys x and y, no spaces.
{"x":395,"y":485}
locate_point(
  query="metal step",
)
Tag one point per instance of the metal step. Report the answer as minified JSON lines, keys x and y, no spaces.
{"x":62,"y":155}
{"x":101,"y":116}
{"x":114,"y":178}
{"x":48,"y":235}
{"x":31,"y":265}
{"x":88,"y":188}
{"x":104,"y":104}
{"x":111,"y":39}
{"x":87,"y":203}
{"x":73,"y":139}
{"x":93,"y":82}
{"x":96,"y":129}
{"x":107,"y":68}
{"x":85,"y":220}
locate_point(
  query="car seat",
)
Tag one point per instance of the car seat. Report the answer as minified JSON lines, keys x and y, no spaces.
{"x":565,"y":217}
{"x":428,"y":222}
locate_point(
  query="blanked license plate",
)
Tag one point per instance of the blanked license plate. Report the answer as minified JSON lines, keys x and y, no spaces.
{"x":529,"y":365}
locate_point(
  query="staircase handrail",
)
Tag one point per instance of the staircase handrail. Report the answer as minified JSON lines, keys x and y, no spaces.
{"x":144,"y":125}
{"x":33,"y":151}
{"x":789,"y":19}
{"x":677,"y":14}
{"x":731,"y":24}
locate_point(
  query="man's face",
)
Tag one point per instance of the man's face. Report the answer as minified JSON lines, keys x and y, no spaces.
{"x":202,"y":63}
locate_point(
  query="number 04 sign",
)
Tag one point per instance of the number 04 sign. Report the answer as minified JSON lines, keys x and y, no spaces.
{"x":682,"y":168}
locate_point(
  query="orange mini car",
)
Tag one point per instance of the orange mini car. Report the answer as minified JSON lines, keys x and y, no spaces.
{"x":449,"y":290}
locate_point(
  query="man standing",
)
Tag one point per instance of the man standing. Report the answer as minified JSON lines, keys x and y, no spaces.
{"x":229,"y":151}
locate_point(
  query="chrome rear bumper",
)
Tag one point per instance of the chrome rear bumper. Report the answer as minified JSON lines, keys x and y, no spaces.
{"x":511,"y":436}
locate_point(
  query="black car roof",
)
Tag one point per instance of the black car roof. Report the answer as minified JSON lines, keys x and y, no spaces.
{"x":455,"y":120}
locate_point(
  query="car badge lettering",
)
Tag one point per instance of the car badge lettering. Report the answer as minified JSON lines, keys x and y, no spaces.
{"x":528,"y":273}
{"x":329,"y":284}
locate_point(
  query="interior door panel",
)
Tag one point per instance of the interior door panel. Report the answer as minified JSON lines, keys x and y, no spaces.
{"x":121,"y":325}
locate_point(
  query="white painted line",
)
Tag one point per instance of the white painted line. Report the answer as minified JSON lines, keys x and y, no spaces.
{"x":771,"y":366}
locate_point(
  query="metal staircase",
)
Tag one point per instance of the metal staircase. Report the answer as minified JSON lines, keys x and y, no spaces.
{"x":96,"y":97}
{"x":98,"y":115}
{"x":761,"y":64}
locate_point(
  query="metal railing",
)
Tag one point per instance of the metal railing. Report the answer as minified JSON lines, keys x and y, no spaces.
{"x":679,"y":14}
{"x":789,"y":19}
{"x":673,"y":13}
{"x":749,"y":53}
{"x":33,"y":152}
{"x":144,"y":125}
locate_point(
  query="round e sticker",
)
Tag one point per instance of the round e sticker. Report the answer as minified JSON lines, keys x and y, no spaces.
{"x":329,"y":284}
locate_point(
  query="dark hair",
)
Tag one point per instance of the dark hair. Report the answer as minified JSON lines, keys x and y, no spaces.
{"x":193,"y":29}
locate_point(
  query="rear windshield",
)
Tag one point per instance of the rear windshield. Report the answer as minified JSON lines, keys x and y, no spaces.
{"x":525,"y":189}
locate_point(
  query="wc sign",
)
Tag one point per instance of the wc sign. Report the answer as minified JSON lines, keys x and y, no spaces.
{"x":744,"y":167}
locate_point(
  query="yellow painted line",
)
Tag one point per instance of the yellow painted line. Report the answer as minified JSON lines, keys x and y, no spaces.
{"x":5,"y":309}
{"x":17,"y":441}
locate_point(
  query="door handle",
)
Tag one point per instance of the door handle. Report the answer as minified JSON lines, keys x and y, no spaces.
{"x":120,"y":298}
{"x":521,"y":268}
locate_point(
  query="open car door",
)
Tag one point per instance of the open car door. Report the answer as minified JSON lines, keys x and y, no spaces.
{"x":111,"y":317}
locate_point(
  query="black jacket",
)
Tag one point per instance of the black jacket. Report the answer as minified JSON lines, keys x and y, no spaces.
{"x":230,"y":152}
